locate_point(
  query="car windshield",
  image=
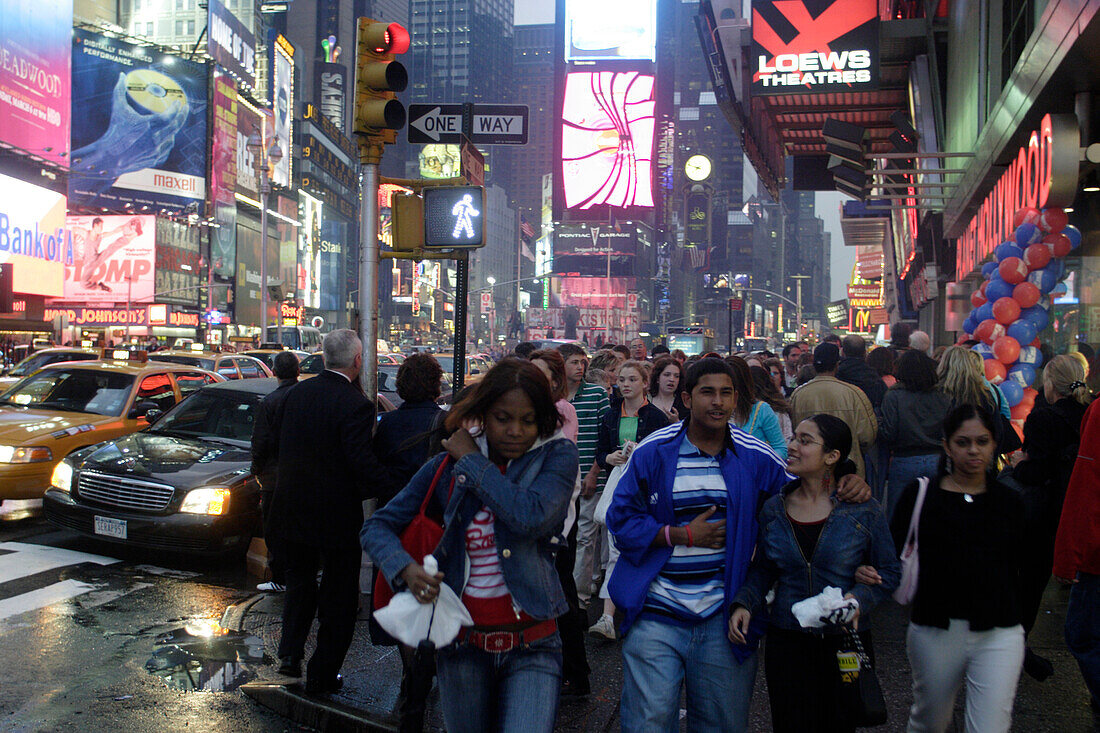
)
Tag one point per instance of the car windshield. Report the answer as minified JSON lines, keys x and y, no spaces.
{"x":195,"y":361}
{"x":387,"y":378}
{"x":72,"y":390}
{"x":447,"y":362}
{"x":35,"y":362}
{"x":217,"y":414}
{"x":267,"y":357}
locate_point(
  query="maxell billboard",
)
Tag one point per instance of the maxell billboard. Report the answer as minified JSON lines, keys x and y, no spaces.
{"x":814,"y":46}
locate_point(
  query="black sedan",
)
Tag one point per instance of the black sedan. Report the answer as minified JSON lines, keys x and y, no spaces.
{"x":183,"y":484}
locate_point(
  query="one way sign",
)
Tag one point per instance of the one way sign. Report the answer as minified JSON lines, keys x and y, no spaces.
{"x":493,"y":124}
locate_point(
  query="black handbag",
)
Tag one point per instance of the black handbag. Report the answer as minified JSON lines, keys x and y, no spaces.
{"x":860,"y":694}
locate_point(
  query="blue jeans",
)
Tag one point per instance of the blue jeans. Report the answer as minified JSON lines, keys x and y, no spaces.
{"x":511,"y":692}
{"x":903,"y":471}
{"x":659,"y":657}
{"x":1083,"y":630}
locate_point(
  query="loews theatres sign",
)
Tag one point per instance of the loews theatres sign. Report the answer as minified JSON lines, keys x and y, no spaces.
{"x":1044,"y":173}
{"x":814,"y":46}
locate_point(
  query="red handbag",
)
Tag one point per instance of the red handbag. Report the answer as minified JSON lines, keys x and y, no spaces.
{"x":419,"y":539}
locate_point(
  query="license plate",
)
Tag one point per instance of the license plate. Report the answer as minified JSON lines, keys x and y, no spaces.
{"x":110,"y":527}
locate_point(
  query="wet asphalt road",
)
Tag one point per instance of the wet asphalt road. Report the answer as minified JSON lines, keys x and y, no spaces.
{"x":97,"y":639}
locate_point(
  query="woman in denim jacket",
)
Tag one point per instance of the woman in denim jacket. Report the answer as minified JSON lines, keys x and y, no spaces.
{"x":503,"y":496}
{"x":809,"y":541}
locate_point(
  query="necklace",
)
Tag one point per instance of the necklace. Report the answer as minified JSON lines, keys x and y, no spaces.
{"x":967,"y":496}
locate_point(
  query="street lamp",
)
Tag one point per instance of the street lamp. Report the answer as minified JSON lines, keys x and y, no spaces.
{"x":492,"y":310}
{"x":261,"y":160}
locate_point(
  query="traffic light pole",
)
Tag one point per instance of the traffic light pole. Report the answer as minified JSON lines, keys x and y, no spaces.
{"x":462,"y":287}
{"x":368,"y":277}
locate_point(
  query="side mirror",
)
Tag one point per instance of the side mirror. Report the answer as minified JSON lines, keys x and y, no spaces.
{"x":141,"y":409}
{"x":154,"y":414}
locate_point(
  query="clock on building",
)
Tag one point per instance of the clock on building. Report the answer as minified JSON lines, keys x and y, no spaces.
{"x":697,"y":168}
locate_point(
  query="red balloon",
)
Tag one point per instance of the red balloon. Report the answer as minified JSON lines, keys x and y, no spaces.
{"x":978,"y":299}
{"x":1053,"y":220}
{"x":983,"y":286}
{"x":1013,"y":270}
{"x":1037,"y":256}
{"x":1035,"y":343}
{"x":1006,"y":310}
{"x":1028,"y":214}
{"x":1058,"y":244}
{"x":989,"y":331}
{"x":1020,"y":411}
{"x":995,"y":371}
{"x":1006,"y":350}
{"x":1030,"y":393}
{"x":1026,"y":294}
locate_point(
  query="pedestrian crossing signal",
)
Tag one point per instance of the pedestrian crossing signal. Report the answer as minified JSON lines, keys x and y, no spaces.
{"x":454,"y":217}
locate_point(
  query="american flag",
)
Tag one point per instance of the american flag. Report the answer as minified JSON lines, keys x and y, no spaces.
{"x":697,"y":256}
{"x":525,"y":229}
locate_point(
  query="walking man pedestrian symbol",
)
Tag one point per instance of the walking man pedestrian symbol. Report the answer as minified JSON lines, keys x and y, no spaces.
{"x":463,"y":211}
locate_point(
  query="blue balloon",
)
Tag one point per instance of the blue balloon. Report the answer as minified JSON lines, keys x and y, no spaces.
{"x":970,"y":323}
{"x":997,"y":289}
{"x":1005,"y":250}
{"x":1022,"y":374}
{"x":1037,"y":316}
{"x":984,"y":349}
{"x":1074,"y":235}
{"x":984,"y":312}
{"x":1030,"y":355}
{"x":1023,"y":331}
{"x":1058,"y":267}
{"x":989,"y":269}
{"x":1045,"y":303}
{"x":1013,"y":391}
{"x":1043,"y":279}
{"x":1060,"y":289}
{"x":1028,"y":234}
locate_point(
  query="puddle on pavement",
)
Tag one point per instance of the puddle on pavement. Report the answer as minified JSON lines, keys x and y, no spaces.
{"x":202,"y":656}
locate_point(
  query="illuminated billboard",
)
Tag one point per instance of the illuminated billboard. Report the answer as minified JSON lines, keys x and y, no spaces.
{"x":607,"y":139}
{"x":282,"y":91}
{"x":439,"y":160}
{"x":610,"y":30}
{"x":35,"y":56}
{"x":113,"y":261}
{"x":814,"y":46}
{"x":33,"y":237}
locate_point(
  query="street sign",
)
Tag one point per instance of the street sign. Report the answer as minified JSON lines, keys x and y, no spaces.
{"x":472,"y":163}
{"x":492,"y":124}
{"x":736,"y":304}
{"x":486,"y":302}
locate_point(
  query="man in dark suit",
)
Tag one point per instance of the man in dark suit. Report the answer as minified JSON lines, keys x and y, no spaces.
{"x":325,"y":465}
{"x":265,"y":457}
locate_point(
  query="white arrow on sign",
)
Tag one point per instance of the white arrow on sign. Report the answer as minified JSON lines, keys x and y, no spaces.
{"x":435,"y":123}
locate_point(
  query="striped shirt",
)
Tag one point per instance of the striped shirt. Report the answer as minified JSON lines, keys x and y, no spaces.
{"x":690,"y":587}
{"x":591,"y":403}
{"x":486,"y":595}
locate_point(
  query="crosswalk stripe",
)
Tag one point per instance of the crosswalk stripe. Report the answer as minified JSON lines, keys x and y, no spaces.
{"x":42,"y":597}
{"x":25,"y":559}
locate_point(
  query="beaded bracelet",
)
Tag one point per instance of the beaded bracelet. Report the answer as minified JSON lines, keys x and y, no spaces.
{"x":668,"y":535}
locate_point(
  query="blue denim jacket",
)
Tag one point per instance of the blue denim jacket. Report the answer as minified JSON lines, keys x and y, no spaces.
{"x":529,"y":500}
{"x":853,"y":535}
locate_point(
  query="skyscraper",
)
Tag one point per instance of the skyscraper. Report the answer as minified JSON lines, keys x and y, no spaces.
{"x":533,"y":72}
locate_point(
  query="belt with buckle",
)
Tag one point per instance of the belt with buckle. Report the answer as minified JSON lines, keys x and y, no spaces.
{"x":498,"y":642}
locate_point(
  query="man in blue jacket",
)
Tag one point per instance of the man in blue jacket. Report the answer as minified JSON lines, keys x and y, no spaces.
{"x":684,"y":519}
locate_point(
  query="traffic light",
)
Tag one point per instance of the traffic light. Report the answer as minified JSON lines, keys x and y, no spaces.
{"x":454,"y":217}
{"x":407,"y":215}
{"x":378,"y":77}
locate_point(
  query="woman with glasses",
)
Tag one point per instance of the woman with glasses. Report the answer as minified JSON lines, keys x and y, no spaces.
{"x":808,"y":541}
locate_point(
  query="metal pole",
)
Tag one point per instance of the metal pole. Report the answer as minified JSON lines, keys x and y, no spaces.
{"x":129,"y":299}
{"x":798,"y":303}
{"x":729,"y":323}
{"x":265,"y":185}
{"x":462,"y":287}
{"x":607,"y":298}
{"x":368,"y":279}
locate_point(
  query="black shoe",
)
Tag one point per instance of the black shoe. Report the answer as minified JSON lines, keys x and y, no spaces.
{"x":290,"y":667}
{"x":575,"y":688}
{"x":321,"y":688}
{"x":1038,"y":668}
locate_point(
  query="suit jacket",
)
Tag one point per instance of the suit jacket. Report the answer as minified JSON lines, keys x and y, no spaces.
{"x":828,"y":394}
{"x":326,"y":465}
{"x":265,"y":435}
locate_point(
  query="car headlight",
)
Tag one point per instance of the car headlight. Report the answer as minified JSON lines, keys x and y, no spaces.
{"x":62,"y":477}
{"x":25,"y":454}
{"x":208,"y":500}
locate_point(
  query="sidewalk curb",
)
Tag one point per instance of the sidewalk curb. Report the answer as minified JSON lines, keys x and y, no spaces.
{"x":233,"y":618}
{"x":324,"y":715}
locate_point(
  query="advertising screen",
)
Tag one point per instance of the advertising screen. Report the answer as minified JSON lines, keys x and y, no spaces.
{"x":33,"y":237}
{"x":223,"y":176}
{"x":249,"y":252}
{"x":177,"y":272}
{"x":584,"y":239}
{"x":814,"y":46}
{"x":309,"y":250}
{"x":281,"y":94}
{"x":607,"y":139}
{"x":230,"y":43}
{"x":439,"y":160}
{"x":331,"y":83}
{"x":113,"y":259}
{"x":610,"y":30}
{"x":35,"y":57}
{"x":139,"y":132}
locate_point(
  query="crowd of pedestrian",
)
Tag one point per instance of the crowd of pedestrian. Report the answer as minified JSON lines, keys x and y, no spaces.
{"x":699,"y":507}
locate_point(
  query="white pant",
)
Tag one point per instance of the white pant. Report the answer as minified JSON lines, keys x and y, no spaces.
{"x":612,"y":560}
{"x":587,"y":563}
{"x":989,"y":661}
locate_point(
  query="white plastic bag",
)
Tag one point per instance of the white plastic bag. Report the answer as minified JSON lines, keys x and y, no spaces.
{"x":600,"y":512}
{"x":409,"y":621}
{"x":813,"y":612}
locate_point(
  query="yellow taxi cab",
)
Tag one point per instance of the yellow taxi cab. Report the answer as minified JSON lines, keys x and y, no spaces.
{"x":228,"y":365}
{"x":64,"y":407}
{"x":476,"y":366}
{"x":43,"y":357}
